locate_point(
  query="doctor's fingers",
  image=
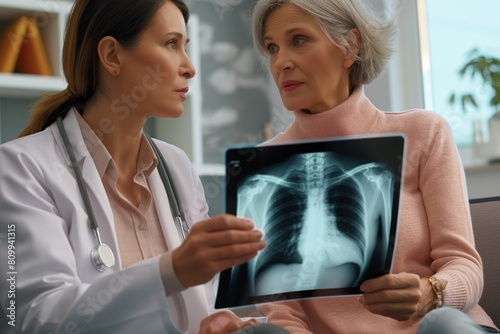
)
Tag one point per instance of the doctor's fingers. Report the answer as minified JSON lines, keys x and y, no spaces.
{"x":215,"y":246}
{"x":223,"y":238}
{"x":222,"y":223}
{"x":217,"y":259}
{"x":195,"y":266}
{"x":211,"y":266}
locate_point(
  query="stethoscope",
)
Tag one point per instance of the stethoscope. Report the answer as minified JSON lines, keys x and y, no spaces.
{"x":102,"y":256}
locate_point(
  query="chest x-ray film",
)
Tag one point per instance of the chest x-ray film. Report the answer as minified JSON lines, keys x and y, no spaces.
{"x":329,"y":212}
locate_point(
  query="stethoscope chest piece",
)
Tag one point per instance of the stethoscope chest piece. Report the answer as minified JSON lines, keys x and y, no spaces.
{"x":102,"y":257}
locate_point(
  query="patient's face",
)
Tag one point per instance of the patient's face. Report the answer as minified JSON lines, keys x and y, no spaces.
{"x":310,"y":71}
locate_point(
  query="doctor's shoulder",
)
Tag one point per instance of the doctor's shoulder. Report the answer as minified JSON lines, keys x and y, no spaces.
{"x":38,"y":148}
{"x":32,"y":142}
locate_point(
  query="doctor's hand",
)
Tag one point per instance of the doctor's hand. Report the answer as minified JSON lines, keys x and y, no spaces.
{"x":223,"y":322}
{"x":214,"y":245}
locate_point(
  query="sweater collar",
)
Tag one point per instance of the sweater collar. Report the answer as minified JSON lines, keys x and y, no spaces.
{"x":356,"y":115}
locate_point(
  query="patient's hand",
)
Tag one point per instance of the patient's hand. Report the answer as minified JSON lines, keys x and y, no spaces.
{"x":223,"y":322}
{"x":393,"y":295}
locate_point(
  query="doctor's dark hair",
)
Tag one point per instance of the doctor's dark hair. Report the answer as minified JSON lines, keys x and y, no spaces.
{"x":89,"y":22}
{"x":338,"y":18}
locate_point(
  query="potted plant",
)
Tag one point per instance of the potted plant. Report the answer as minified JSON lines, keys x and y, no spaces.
{"x":487,"y":70}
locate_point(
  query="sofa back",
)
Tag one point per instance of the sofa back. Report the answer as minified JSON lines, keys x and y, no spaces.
{"x":485,"y":213}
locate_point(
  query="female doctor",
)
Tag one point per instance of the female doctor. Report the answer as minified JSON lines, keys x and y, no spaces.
{"x":129,"y":270}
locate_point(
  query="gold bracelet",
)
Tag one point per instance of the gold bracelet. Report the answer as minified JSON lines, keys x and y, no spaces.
{"x":438,"y":288}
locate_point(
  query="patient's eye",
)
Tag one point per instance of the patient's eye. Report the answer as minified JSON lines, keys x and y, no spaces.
{"x":272,"y":48}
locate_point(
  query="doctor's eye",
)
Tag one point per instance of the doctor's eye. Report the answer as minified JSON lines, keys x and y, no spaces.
{"x":171,"y":43}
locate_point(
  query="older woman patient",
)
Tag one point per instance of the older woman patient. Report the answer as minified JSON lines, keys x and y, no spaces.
{"x":321,"y":53}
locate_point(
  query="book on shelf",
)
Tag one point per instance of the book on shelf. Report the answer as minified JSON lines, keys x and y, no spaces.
{"x":22,"y":49}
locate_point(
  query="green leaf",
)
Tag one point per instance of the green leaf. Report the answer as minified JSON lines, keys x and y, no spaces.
{"x":488,"y":68}
{"x":452,"y":99}
{"x":468,"y":100}
{"x":495,"y":100}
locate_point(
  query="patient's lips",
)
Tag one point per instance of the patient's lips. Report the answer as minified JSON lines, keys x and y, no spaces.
{"x":290,"y":85}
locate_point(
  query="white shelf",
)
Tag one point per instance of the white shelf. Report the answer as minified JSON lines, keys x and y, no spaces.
{"x":27,"y":85}
{"x":50,"y":17}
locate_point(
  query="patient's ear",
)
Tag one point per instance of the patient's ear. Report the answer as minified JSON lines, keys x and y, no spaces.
{"x":355,"y":40}
{"x":108,"y":50}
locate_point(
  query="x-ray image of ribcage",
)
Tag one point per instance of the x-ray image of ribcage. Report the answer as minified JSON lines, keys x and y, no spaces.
{"x":326,"y":221}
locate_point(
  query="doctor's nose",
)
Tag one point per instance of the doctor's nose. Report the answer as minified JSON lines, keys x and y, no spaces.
{"x":187,"y":68}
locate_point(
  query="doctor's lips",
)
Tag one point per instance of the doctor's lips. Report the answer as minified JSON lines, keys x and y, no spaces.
{"x":183,"y":92}
{"x":290,"y":85}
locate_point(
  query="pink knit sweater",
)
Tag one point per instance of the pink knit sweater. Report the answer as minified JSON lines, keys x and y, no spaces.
{"x":435,"y":234}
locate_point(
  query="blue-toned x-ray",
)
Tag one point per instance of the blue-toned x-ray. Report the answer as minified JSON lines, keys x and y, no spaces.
{"x":327,"y":216}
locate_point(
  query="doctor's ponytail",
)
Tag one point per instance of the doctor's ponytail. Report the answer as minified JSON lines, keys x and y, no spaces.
{"x":88,"y":23}
{"x":46,"y":110}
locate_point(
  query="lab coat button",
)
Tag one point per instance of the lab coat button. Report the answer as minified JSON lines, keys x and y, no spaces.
{"x":142,"y":227}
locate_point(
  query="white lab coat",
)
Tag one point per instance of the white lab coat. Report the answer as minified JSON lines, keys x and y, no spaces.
{"x":58,"y":290}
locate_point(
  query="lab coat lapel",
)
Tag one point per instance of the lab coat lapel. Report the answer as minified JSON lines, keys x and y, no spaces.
{"x":170,"y":231}
{"x":194,"y":299}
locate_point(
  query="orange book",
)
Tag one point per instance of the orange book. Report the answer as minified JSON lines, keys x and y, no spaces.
{"x":11,"y":43}
{"x":21,"y":48}
{"x":32,"y":57}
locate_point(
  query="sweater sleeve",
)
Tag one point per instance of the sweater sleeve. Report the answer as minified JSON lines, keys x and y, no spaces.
{"x":444,"y":192}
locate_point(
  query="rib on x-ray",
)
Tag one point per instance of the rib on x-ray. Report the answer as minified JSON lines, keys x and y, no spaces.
{"x":326,"y":220}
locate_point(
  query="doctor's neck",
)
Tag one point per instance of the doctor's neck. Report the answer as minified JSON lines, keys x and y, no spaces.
{"x":119,"y":132}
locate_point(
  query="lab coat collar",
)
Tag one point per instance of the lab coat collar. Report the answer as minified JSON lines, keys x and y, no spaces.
{"x":75,"y":137}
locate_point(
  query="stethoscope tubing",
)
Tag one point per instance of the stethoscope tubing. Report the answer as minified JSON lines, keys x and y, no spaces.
{"x":172,"y":194}
{"x":102,"y":256}
{"x":78,"y":175}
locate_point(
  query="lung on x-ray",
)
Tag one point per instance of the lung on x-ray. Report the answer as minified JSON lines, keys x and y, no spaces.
{"x":329,"y":212}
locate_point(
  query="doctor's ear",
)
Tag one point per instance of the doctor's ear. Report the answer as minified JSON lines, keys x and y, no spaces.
{"x":108,"y":51}
{"x":355,"y":40}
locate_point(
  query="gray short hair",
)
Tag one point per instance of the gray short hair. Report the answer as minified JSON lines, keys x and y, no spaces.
{"x":337,"y":18}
